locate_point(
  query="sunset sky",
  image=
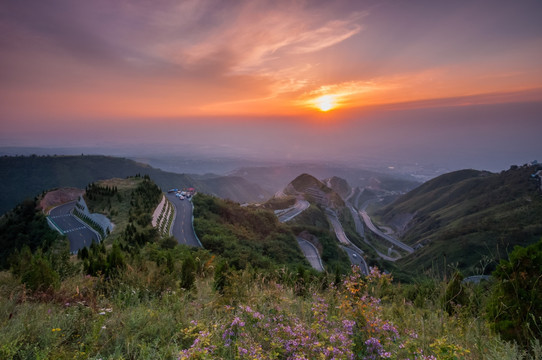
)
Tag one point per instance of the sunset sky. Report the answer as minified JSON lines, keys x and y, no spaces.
{"x":393,"y":76}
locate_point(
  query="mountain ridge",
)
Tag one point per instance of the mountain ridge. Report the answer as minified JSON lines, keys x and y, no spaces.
{"x":466,"y":216}
{"x":27,"y":176}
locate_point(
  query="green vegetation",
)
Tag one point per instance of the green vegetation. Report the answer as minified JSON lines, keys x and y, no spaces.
{"x":278,"y":203}
{"x":246,"y":237}
{"x":93,"y":224}
{"x":25,"y":225}
{"x":313,"y":216}
{"x":515,"y":307}
{"x":334,"y":258}
{"x":465,"y":217}
{"x":249,"y":294}
{"x":143,"y":310}
{"x":165,"y":219}
{"x":28,"y":176}
{"x":129,"y":204}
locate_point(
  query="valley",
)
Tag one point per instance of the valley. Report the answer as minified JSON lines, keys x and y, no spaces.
{"x":308,"y":235}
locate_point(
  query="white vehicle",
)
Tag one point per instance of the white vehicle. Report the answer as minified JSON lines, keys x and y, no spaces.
{"x":181,"y":197}
{"x":355,"y":255}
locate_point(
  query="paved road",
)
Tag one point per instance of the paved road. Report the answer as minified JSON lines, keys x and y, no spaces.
{"x":377,"y":231}
{"x":339,"y":231}
{"x":347,"y":244}
{"x":356,"y":258}
{"x":181,"y":228}
{"x":311,"y":253}
{"x":78,"y":234}
{"x":290,"y":213}
{"x":359,"y":225}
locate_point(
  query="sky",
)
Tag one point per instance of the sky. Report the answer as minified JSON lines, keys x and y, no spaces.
{"x":458,"y":82}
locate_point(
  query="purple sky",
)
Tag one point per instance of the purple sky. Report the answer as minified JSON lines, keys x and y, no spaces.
{"x":420,"y":81}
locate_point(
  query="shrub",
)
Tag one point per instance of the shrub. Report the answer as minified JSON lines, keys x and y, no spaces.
{"x":188,"y":270}
{"x":515,"y":308}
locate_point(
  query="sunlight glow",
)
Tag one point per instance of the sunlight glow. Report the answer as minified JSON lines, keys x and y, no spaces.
{"x":326,"y":102}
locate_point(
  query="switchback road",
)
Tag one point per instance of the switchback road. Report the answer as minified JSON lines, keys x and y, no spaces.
{"x":377,"y":231}
{"x":290,"y":213}
{"x":356,"y":259}
{"x":354,"y":253}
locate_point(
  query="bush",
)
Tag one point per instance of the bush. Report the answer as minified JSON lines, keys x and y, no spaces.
{"x":188,"y":276}
{"x":39,"y":274}
{"x":515,"y":309}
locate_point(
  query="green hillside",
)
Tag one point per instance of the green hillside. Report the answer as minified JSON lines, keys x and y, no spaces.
{"x":27,"y":176}
{"x":248,"y":296}
{"x":467,"y":218}
{"x":245,"y":236}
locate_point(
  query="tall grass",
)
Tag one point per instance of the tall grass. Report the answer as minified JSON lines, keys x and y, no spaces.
{"x":134,"y":317}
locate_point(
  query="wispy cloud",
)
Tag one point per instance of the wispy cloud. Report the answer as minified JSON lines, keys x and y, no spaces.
{"x":255,"y":34}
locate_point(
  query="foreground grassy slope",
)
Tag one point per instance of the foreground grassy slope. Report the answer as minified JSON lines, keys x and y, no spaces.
{"x":468,"y":218}
{"x":145,"y":298}
{"x":25,"y":177}
{"x":143,"y":313}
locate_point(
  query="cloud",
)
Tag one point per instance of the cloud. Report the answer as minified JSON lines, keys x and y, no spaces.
{"x":255,"y":34}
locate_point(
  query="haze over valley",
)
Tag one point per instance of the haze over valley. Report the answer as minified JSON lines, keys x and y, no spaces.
{"x":253,"y":179}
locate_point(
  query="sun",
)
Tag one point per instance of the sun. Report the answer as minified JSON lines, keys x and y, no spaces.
{"x":326,"y":102}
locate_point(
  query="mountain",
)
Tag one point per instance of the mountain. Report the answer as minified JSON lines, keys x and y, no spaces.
{"x":275,"y":178}
{"x":314,"y":191}
{"x":339,"y":185}
{"x":467,"y":218}
{"x":27,"y":176}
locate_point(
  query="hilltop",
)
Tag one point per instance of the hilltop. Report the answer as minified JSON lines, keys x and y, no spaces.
{"x":339,"y":185}
{"x":313,"y":190}
{"x":27,"y":176}
{"x":467,"y":219}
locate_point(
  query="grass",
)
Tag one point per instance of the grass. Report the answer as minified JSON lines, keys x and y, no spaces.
{"x":91,"y":318}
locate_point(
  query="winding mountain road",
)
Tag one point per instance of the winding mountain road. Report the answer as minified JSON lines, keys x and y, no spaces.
{"x":290,"y":213}
{"x":308,"y":249}
{"x":374,"y":229}
{"x":182,"y":228}
{"x":354,"y":253}
{"x":311,"y":253}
